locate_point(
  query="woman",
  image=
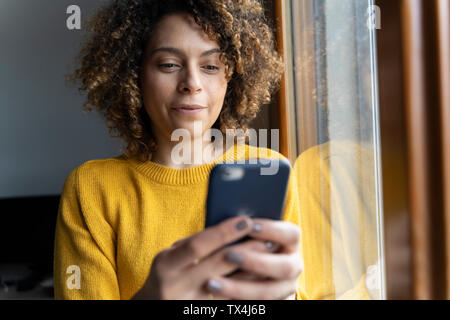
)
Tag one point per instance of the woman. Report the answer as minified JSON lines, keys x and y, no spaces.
{"x":131,"y":227}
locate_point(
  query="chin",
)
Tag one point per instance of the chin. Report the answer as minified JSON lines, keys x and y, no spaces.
{"x":196,"y":128}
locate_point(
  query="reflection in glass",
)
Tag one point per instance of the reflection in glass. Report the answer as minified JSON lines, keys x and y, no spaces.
{"x":338,"y":167}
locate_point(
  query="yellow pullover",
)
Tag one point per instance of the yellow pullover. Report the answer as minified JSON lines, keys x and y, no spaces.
{"x":116,"y":214}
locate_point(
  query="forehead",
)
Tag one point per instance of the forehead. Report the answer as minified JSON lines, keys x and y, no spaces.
{"x":180,"y":31}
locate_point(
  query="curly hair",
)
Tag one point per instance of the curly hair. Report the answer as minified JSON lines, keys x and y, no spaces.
{"x":111,"y":61}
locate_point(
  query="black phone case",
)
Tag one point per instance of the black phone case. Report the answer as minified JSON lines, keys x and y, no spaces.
{"x":248,"y":192}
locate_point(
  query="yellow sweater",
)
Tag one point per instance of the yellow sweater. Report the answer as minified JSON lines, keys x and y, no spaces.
{"x":116,"y":214}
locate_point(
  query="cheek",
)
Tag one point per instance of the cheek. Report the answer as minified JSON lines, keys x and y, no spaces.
{"x":155,"y":90}
{"x":153,"y":96}
{"x":217,"y":93}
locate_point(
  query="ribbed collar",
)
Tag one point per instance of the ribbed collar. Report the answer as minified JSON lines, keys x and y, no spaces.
{"x":166,"y":175}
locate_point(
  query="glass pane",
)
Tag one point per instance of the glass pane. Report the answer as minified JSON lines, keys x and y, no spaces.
{"x":338,"y":165}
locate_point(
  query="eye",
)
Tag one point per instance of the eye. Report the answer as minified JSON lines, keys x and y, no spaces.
{"x":168,"y":66}
{"x":211,"y":68}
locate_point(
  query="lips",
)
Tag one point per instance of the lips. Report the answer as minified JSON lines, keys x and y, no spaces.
{"x":188,"y":109}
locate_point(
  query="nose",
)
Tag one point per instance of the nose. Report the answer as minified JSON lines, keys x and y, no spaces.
{"x":190,"y":82}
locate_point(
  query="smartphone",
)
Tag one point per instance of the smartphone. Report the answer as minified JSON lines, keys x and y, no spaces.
{"x":247,"y":190}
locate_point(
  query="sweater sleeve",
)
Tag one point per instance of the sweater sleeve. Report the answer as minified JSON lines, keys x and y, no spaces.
{"x":84,"y":258}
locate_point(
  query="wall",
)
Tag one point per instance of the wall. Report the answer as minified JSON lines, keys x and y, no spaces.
{"x":43,"y":132}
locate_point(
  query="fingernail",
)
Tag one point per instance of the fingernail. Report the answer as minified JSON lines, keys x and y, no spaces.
{"x":272,"y":245}
{"x":214,"y":286}
{"x":269,"y":244}
{"x":256,"y":227}
{"x":235,"y":257}
{"x":241,"y":225}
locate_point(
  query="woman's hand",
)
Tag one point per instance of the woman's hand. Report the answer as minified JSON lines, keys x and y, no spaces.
{"x":274,"y":274}
{"x":181,"y":271}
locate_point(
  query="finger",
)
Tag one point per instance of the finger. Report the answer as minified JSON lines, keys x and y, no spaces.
{"x":252,"y":290}
{"x":221,"y":263}
{"x":195,"y":248}
{"x":276,"y":266}
{"x":207,"y":295}
{"x":283,"y":233}
{"x":217,"y":265}
{"x":244,"y":275}
{"x":179,"y":242}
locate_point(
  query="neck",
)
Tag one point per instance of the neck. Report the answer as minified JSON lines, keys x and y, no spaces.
{"x":187,"y":154}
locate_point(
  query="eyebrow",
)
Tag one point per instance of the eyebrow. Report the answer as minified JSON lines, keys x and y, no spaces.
{"x":181,"y":53}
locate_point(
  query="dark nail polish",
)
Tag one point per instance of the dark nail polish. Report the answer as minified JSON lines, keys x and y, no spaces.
{"x":214,"y":286}
{"x":256,"y":228}
{"x":269,"y":244}
{"x":241,"y":225}
{"x":272,"y":246}
{"x":235,"y":257}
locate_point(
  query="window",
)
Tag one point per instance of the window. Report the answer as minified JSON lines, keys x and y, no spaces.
{"x":332,"y":112}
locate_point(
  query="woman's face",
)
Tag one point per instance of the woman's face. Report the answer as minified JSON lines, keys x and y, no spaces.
{"x":183,"y":79}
